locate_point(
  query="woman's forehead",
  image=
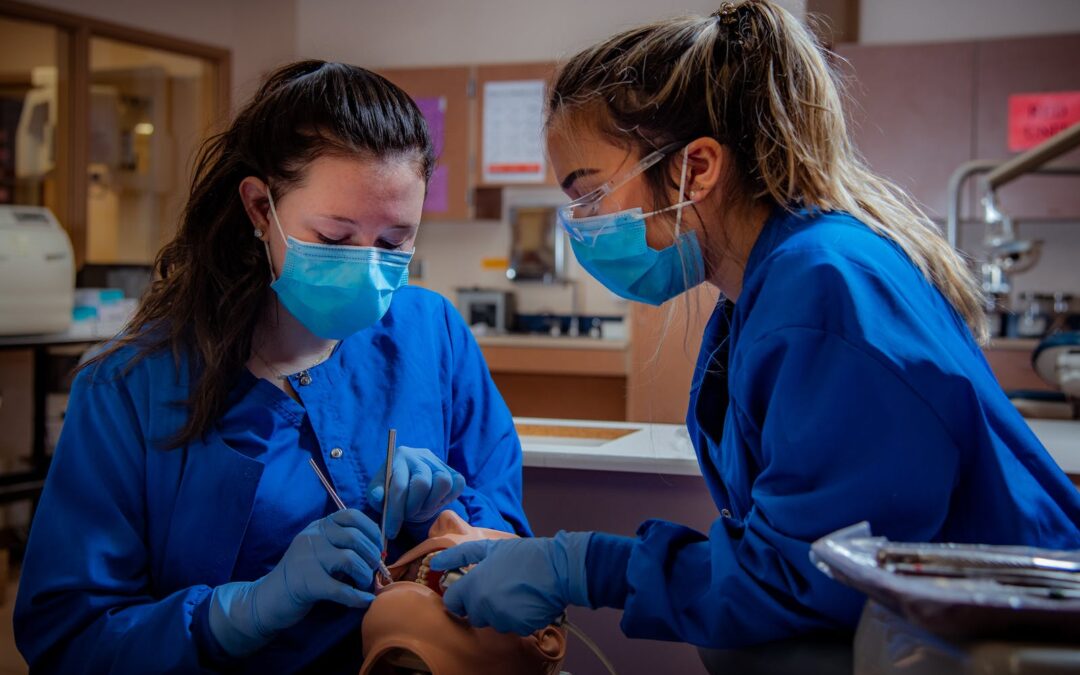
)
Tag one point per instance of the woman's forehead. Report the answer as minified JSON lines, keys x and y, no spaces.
{"x":586,"y":152}
{"x":362,"y":188}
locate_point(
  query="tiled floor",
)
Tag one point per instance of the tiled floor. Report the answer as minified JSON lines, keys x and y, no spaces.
{"x":10,"y":661}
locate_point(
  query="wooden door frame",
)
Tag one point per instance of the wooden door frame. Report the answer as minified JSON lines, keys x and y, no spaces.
{"x":73,"y":66}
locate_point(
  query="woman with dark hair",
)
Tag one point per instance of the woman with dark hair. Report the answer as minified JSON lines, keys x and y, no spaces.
{"x":181,"y":527}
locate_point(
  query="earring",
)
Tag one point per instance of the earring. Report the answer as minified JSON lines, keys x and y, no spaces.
{"x":258,"y":233}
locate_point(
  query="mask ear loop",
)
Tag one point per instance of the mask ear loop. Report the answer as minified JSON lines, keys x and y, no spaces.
{"x":682,"y":191}
{"x":678,"y":208}
{"x":277,"y":224}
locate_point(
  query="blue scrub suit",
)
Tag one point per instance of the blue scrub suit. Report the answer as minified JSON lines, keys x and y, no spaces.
{"x":843,"y":388}
{"x":130,"y":538}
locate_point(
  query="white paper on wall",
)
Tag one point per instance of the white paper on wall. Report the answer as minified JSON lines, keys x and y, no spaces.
{"x":513,"y":132}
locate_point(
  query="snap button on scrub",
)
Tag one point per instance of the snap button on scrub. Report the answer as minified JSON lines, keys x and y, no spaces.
{"x":304,"y":378}
{"x":336,"y":453}
{"x":725,"y":513}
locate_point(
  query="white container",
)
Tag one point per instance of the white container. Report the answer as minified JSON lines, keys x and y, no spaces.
{"x":37,"y":272}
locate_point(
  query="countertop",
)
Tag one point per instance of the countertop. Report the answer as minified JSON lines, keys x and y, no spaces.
{"x":666,"y":448}
{"x":547,"y":342}
{"x":79,"y":332}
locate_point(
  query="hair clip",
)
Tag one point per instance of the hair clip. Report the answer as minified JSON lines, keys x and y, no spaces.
{"x":726,"y":13}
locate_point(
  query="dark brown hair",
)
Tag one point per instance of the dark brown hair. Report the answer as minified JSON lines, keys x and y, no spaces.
{"x":752,"y":77}
{"x":211,"y":281}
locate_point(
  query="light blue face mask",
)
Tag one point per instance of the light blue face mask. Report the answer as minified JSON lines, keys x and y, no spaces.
{"x":612,"y":246}
{"x":337,"y":290}
{"x":618,"y":255}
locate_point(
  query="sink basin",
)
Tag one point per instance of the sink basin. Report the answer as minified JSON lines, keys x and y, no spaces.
{"x":555,"y":434}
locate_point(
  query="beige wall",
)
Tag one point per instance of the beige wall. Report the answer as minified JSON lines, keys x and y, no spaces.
{"x":425,"y":32}
{"x":25,"y":45}
{"x":885,"y":21}
{"x":260,"y":33}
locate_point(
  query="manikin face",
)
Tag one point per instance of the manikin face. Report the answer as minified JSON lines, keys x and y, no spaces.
{"x":408,"y":630}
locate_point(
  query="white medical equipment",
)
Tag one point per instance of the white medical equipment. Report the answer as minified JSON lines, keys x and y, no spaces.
{"x":1057,"y":360}
{"x":37,"y":272}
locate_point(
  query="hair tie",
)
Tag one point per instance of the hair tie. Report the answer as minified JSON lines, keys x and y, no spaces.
{"x":732,"y":21}
{"x":726,"y":15}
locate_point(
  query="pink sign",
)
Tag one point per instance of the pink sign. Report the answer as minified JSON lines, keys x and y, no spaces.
{"x":1033,"y":118}
{"x":434,"y":111}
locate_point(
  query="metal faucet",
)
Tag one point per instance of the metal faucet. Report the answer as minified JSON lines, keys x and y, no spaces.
{"x":574,"y":329}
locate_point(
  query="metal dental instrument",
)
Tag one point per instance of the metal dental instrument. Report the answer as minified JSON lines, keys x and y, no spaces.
{"x":391,"y":443}
{"x":326,"y":484}
{"x":383,"y":572}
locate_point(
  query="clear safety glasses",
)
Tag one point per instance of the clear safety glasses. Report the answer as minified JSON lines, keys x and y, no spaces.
{"x":574,"y":216}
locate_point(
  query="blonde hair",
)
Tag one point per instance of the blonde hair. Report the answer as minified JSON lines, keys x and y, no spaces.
{"x":752,"y":77}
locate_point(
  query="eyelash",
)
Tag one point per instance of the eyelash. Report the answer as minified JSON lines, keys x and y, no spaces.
{"x":382,"y":243}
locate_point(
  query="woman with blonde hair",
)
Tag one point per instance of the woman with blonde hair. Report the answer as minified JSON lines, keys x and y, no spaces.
{"x":840,"y":377}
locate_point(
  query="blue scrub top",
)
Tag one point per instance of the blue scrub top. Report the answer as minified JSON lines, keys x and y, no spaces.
{"x":841,"y":387}
{"x":130,"y":538}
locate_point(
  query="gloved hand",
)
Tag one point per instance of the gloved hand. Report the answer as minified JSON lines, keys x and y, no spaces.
{"x":518,"y":585}
{"x":245,"y":615}
{"x":421,"y":485}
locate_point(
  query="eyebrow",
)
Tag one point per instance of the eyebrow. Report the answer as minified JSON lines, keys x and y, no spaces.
{"x":340,"y":219}
{"x":574,"y":175}
{"x":350,"y":221}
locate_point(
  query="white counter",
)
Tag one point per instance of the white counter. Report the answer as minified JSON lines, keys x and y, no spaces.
{"x":666,"y":448}
{"x":548,"y":342}
{"x":1062,"y":439}
{"x":648,"y":448}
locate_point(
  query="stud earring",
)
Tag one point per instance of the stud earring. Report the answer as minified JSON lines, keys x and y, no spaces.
{"x":258,"y":233}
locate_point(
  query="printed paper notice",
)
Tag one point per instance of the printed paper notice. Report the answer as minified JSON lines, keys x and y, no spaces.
{"x":513,"y":132}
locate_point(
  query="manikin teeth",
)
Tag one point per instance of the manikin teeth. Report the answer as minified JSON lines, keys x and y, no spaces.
{"x":424,"y":575}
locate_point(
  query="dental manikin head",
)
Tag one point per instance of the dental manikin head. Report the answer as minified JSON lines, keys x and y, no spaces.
{"x":408,"y":630}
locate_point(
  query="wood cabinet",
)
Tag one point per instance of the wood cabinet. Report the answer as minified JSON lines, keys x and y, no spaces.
{"x":1011,"y":362}
{"x":459,"y":91}
{"x":560,"y":382}
{"x":447,"y":93}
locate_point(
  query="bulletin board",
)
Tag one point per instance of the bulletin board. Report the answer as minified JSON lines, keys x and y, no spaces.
{"x":495,"y":166}
{"x":443,"y":97}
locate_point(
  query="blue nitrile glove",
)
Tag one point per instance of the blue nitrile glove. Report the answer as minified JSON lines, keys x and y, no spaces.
{"x":245,"y":615}
{"x":519,"y":585}
{"x":421,"y":485}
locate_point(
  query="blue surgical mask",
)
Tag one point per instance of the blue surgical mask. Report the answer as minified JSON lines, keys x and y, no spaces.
{"x":612,"y":247}
{"x":337,"y":290}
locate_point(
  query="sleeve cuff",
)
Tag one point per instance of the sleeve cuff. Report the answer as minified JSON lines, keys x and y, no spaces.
{"x":211,"y":653}
{"x":606,"y":564}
